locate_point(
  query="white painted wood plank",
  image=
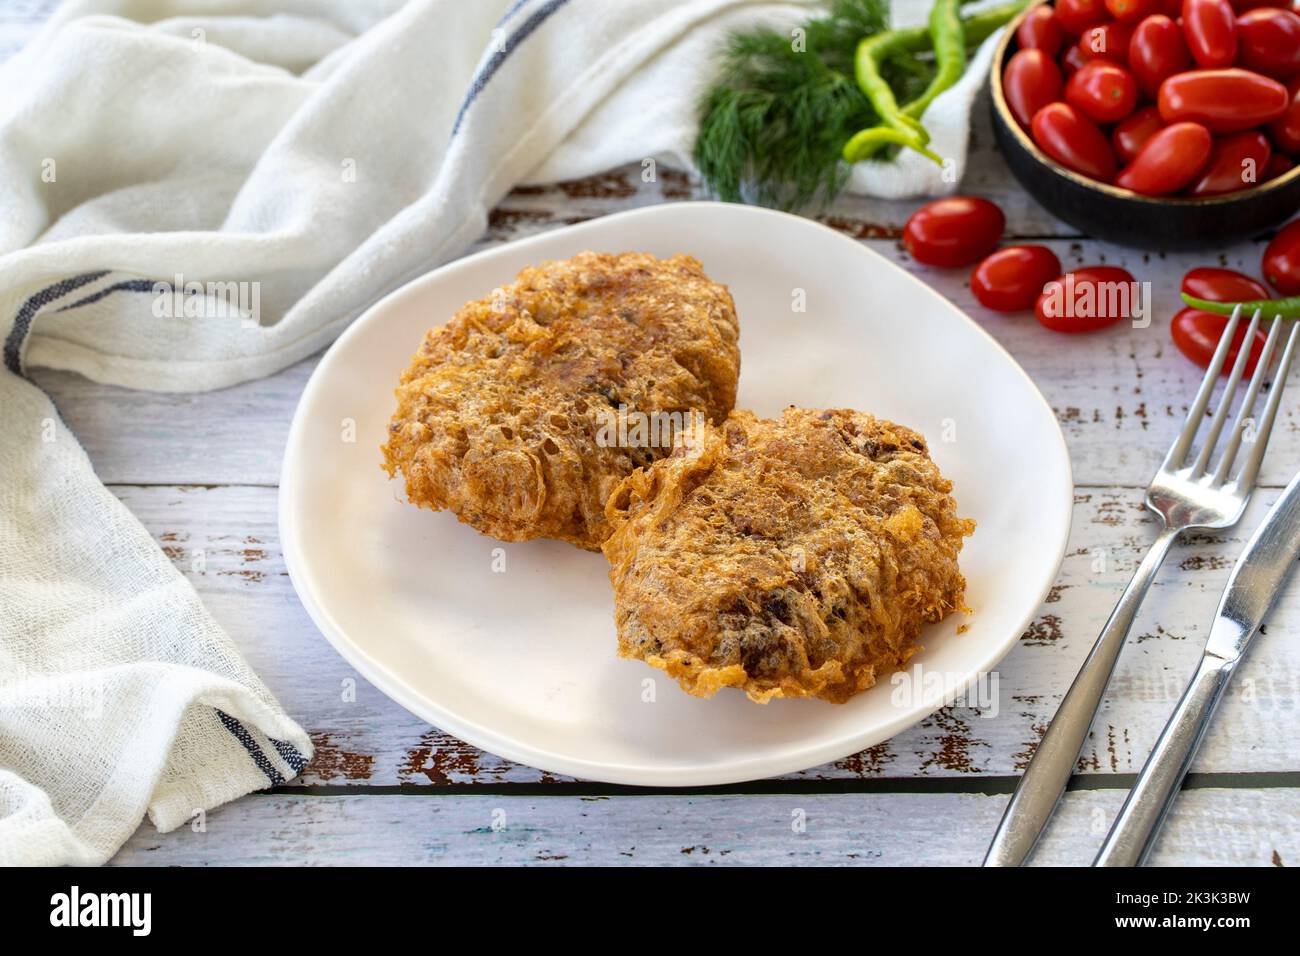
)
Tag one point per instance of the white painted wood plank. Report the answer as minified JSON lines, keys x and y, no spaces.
{"x":1207,"y":827}
{"x":371,"y":741}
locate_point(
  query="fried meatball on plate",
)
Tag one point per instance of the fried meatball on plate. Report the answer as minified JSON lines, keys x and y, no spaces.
{"x":503,"y":415}
{"x":790,"y":558}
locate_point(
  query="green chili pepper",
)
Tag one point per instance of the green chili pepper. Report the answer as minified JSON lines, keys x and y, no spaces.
{"x":949,"y":39}
{"x":948,"y":35}
{"x":868,"y":141}
{"x":1271,"y":308}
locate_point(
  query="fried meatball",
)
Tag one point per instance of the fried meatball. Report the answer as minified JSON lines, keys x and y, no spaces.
{"x":504,"y":415}
{"x":791,"y":557}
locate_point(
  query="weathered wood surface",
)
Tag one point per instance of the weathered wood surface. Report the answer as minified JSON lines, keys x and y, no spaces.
{"x":225,"y":540}
{"x":1209,"y":827}
{"x":201,"y":472}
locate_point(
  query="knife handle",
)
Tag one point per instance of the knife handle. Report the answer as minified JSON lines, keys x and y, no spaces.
{"x":1133,"y":834}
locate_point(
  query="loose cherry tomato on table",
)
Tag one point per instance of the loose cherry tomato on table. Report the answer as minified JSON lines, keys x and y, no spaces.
{"x":1131,"y":134}
{"x":1270,"y":42}
{"x":1087,"y":299}
{"x":1211,"y":29}
{"x":1156,"y":52}
{"x":1197,"y":335}
{"x":1041,"y":30}
{"x":1109,"y":41}
{"x":1131,"y":11}
{"x":1168,"y":161}
{"x":1075,"y":16}
{"x":1105,"y":92}
{"x":1011,"y":279}
{"x":1222,"y":285}
{"x":954,"y":231}
{"x":1074,"y":141}
{"x":1285,"y":130}
{"x":1282,"y":260}
{"x":1031,"y":81}
{"x":1236,"y":162}
{"x":1223,"y":101}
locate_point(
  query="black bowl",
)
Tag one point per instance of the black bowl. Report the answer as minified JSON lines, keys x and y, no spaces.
{"x":1120,"y":215}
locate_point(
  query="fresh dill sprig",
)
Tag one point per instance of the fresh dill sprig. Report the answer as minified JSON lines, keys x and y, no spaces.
{"x":773,"y":124}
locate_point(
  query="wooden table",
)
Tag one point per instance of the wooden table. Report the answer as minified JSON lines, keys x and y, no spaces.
{"x":200,"y":471}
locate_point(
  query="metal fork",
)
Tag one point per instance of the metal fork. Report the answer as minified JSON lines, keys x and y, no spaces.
{"x":1184,"y":495}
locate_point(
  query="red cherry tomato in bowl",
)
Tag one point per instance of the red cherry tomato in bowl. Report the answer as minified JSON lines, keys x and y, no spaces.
{"x":1131,"y":134}
{"x":1031,"y":81}
{"x":1169,"y":160}
{"x":1222,"y":285}
{"x":954,"y":231}
{"x":1087,"y":299}
{"x":1285,"y":130}
{"x":1011,"y":279}
{"x":1041,"y":30}
{"x":1109,"y":41}
{"x":1223,"y":101}
{"x":1197,"y":335}
{"x":1211,"y":29}
{"x":1278,"y":165}
{"x":1077,"y":15}
{"x":1105,"y":92}
{"x":1270,"y":42}
{"x":1156,"y":52}
{"x":1131,"y":11}
{"x":1074,"y":141}
{"x":1282,"y":260}
{"x":1236,"y":162}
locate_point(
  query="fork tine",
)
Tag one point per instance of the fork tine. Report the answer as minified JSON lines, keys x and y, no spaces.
{"x":1248,"y":403}
{"x":1225,"y":400}
{"x":1250,"y":470}
{"x":1178,"y":453}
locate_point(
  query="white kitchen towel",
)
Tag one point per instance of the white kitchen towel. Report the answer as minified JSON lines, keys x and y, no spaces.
{"x":201,"y":192}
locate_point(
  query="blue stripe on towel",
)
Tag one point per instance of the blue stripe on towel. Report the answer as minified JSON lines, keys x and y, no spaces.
{"x":489,"y":69}
{"x":238,"y":731}
{"x":289,"y":753}
{"x":23,"y":322}
{"x":130,"y":285}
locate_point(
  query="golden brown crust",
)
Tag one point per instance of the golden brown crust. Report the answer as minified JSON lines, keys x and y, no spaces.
{"x":792,"y":557}
{"x":499,"y":415}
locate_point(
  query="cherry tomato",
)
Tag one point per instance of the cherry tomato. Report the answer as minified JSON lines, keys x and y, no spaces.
{"x":1087,"y":299}
{"x":1223,"y":101}
{"x":1222,"y":285}
{"x":1282,"y":260}
{"x":1236,"y":162}
{"x":1031,"y":81}
{"x":1197,"y":336}
{"x":1072,"y":59}
{"x":1156,"y":52}
{"x":1073,"y":140}
{"x":1169,"y":160}
{"x":1109,"y":41}
{"x":1285,"y":130}
{"x":1132,"y":11}
{"x":1041,"y":30}
{"x":1278,"y":165}
{"x":1077,"y":15}
{"x":1211,"y":28}
{"x":954,"y":231}
{"x":1011,"y":279}
{"x":1270,"y":42}
{"x":1105,"y":92}
{"x":1129,"y":136}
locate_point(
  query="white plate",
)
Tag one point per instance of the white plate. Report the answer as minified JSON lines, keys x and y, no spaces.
{"x":524,"y":663}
